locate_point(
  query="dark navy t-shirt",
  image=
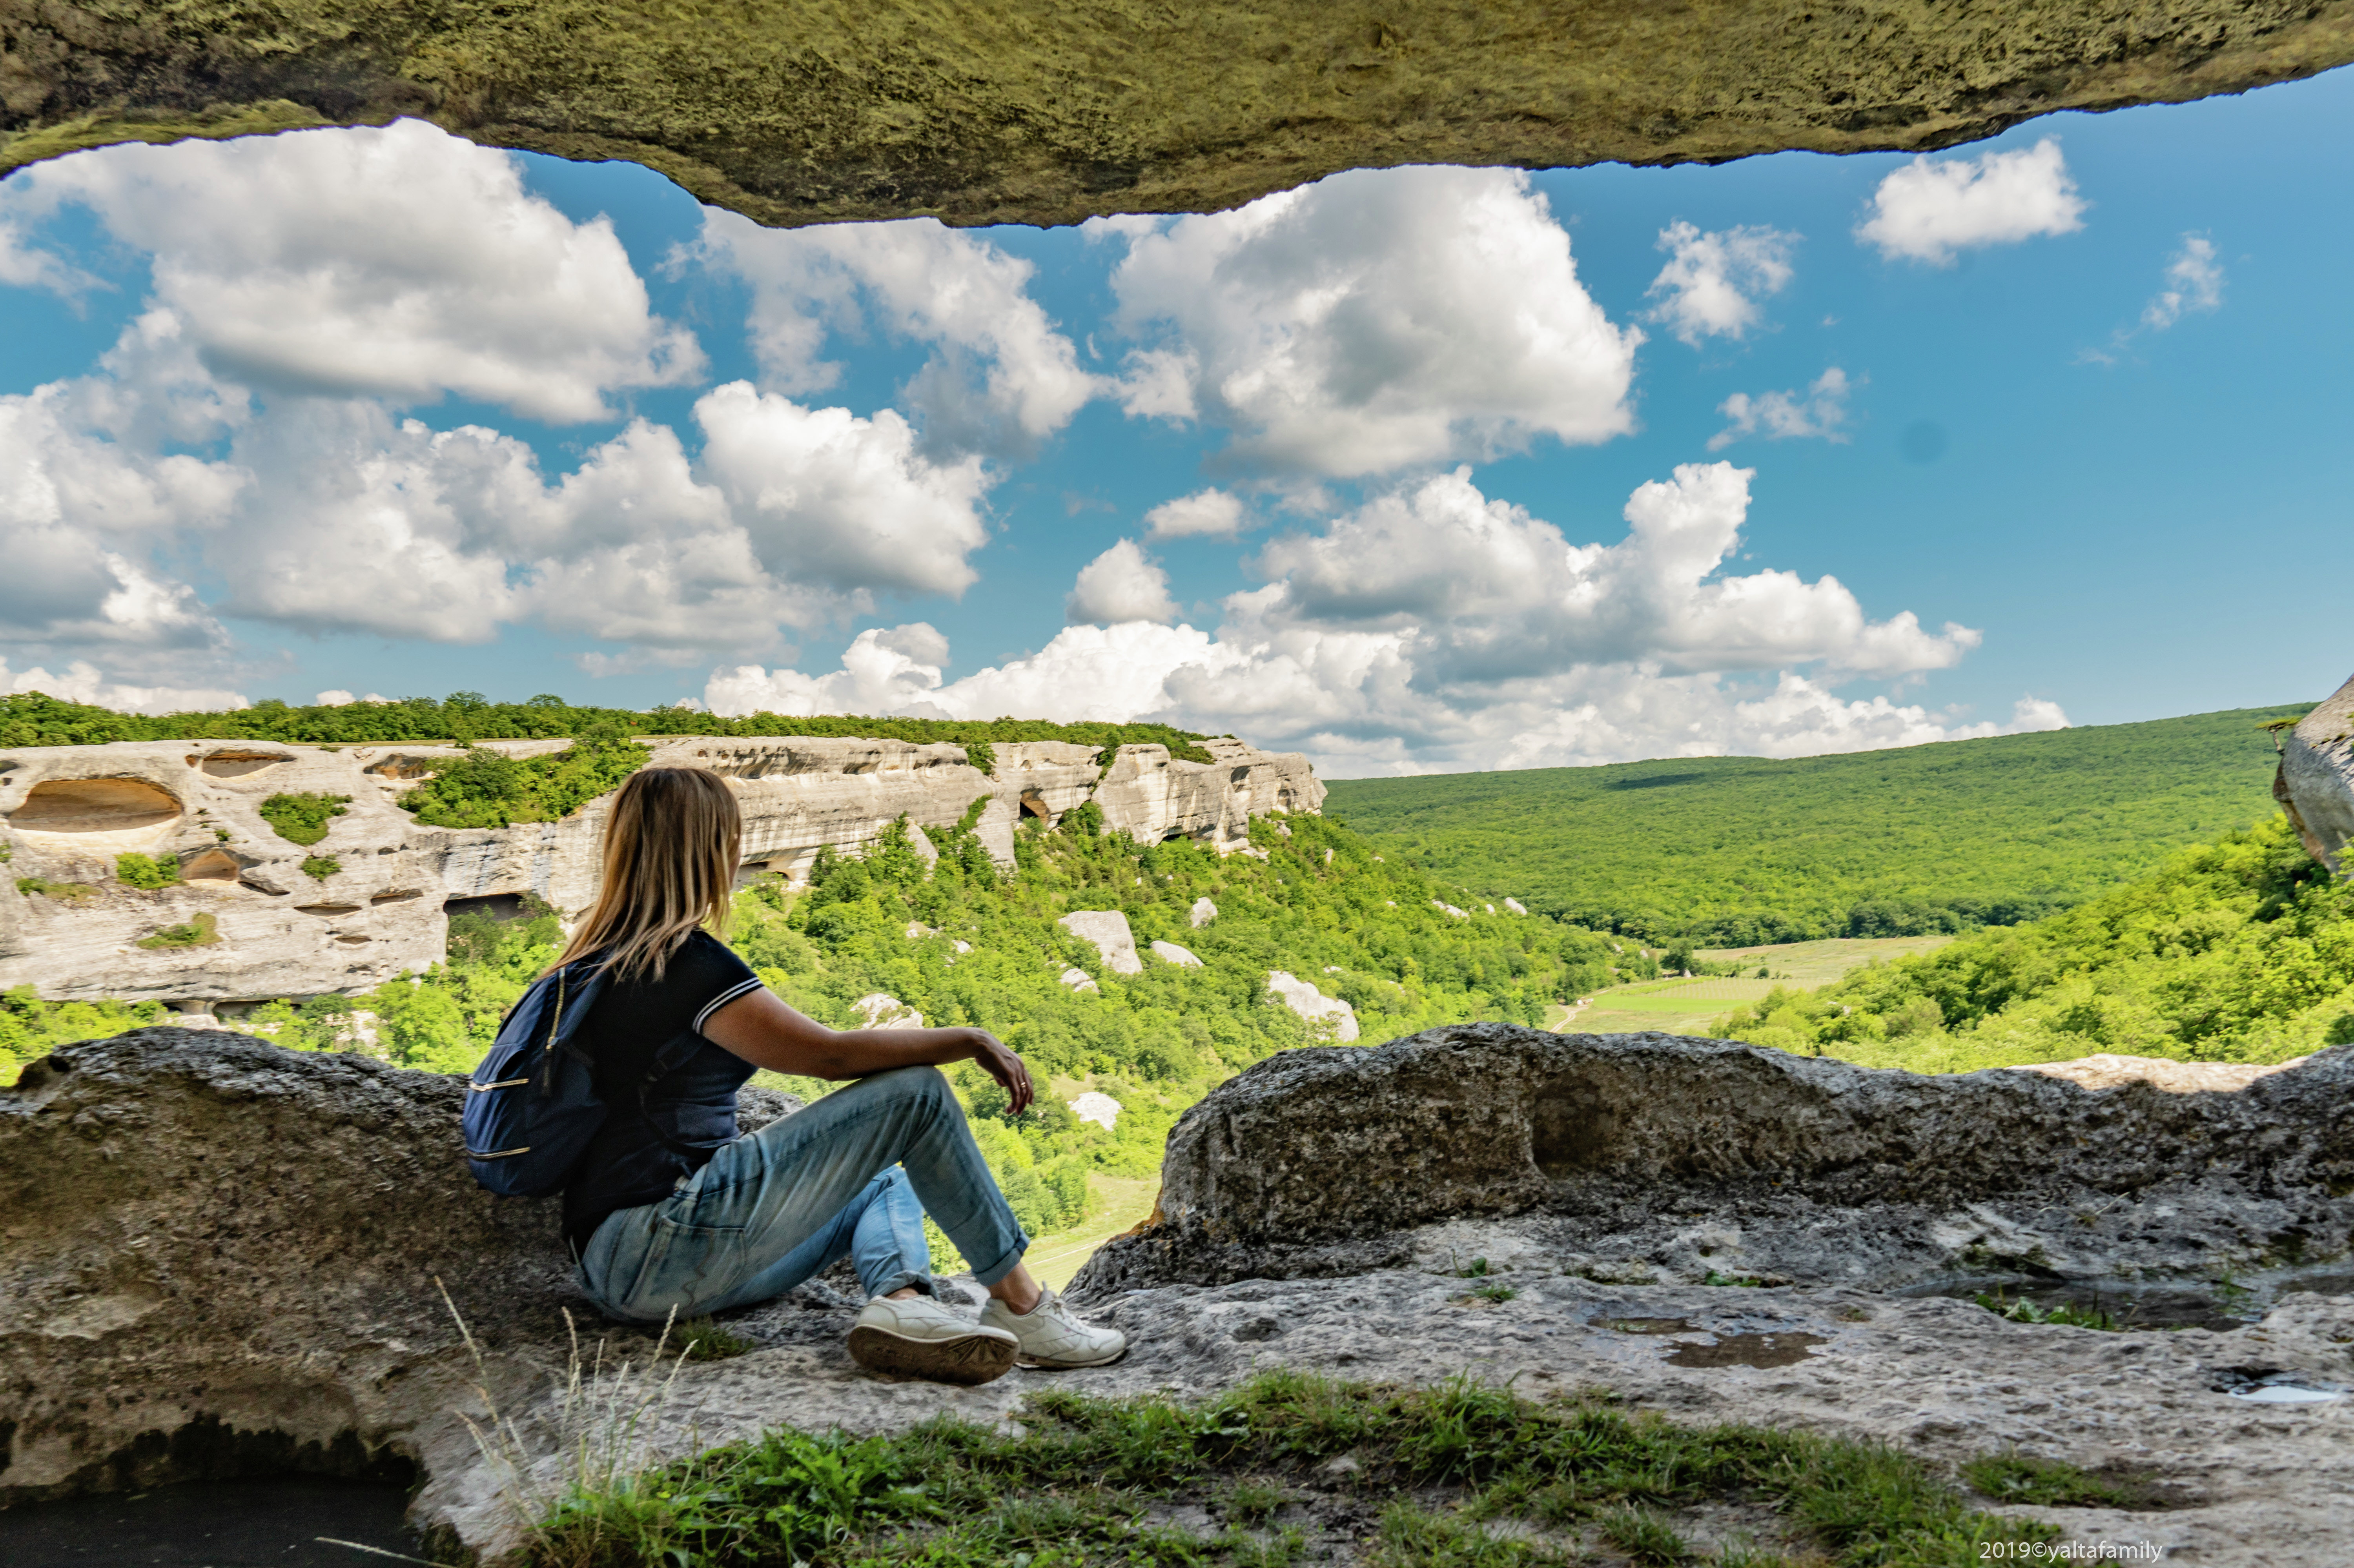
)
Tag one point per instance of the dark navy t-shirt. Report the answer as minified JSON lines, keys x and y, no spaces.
{"x":637,"y":1026}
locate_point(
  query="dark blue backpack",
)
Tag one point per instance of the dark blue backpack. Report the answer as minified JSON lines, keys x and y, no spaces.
{"x":532,"y":1107}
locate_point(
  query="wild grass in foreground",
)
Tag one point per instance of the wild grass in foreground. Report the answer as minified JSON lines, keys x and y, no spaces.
{"x":1461,"y":1474}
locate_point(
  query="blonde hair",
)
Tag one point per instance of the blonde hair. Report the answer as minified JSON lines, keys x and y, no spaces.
{"x":671,"y":843}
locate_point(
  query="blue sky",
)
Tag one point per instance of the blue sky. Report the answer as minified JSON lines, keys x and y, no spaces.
{"x":2062,"y":434}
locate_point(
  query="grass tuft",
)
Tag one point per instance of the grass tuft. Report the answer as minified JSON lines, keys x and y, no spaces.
{"x":701,"y":1339}
{"x":2013,"y":1478}
{"x":202,"y":931}
{"x":1468,"y":1471}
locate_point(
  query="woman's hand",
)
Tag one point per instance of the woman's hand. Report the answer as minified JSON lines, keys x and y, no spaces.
{"x":767,"y":1033}
{"x":998,"y":1060}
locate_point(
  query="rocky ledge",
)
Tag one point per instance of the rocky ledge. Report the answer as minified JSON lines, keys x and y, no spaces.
{"x":1649,"y":1152}
{"x":221,"y":1257}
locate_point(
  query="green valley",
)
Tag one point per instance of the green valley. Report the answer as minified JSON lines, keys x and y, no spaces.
{"x":1736,"y":851}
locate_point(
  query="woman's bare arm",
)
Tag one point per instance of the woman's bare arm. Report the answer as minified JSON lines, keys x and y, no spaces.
{"x":762,"y":1030}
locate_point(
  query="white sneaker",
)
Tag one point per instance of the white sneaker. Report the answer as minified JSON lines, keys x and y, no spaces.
{"x":916,"y":1336}
{"x":1051,"y":1337}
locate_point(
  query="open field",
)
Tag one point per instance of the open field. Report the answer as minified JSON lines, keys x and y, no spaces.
{"x":1127,"y":1202}
{"x":1689,"y":1006}
{"x":1819,"y":963}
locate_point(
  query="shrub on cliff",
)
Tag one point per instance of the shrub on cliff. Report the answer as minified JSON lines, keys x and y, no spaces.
{"x":303,"y":819}
{"x":486,"y":789}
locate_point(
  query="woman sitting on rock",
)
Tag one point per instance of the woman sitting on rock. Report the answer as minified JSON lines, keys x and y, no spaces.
{"x":669,"y":1210}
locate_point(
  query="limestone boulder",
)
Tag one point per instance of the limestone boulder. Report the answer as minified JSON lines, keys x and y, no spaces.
{"x":2104,"y":1071}
{"x":1106,"y":930}
{"x":2315,"y":780}
{"x":1170,"y":953}
{"x":1303,"y":998}
{"x":1201,"y":913}
{"x":1027,"y":111}
{"x":1698,"y":1156}
{"x":220,"y":1256}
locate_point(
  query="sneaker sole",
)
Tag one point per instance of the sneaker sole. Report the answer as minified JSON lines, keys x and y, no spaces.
{"x":966,"y":1359}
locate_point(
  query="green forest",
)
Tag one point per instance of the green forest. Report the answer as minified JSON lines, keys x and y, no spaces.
{"x":2239,"y":950}
{"x":1736,"y":851}
{"x":34,"y":719}
{"x":1322,"y":906}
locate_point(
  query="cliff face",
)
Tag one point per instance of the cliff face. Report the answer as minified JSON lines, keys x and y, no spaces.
{"x":256,"y":915}
{"x":1035,"y":111}
{"x":2315,"y":781}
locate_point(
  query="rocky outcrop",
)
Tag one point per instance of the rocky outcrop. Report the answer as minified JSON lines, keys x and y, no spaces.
{"x":1170,"y":953}
{"x":1106,"y":930}
{"x":1687,"y":1157}
{"x":2104,"y":1071}
{"x":1303,"y":998}
{"x":220,"y":1257}
{"x":2315,"y":780}
{"x":267,"y":917}
{"x":1025,"y":112}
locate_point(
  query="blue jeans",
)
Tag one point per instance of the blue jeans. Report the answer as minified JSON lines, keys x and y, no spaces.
{"x":851,"y":1176}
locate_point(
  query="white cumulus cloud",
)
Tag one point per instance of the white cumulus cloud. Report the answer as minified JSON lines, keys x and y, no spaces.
{"x":402,"y":263}
{"x":1374,"y":321}
{"x":1434,"y":628}
{"x":1931,"y":208}
{"x":1713,"y":280}
{"x":1820,"y":411}
{"x":2194,"y":282}
{"x":82,"y":681}
{"x":1001,"y":378}
{"x":1205,"y":513}
{"x":1121,"y":584}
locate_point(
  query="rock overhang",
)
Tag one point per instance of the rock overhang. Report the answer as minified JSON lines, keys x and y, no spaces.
{"x":1024,"y":111}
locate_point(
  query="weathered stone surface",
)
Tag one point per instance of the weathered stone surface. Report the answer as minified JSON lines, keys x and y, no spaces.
{"x":1201,"y":913}
{"x":69,"y":810}
{"x":1106,"y":930}
{"x":2109,"y":1071}
{"x":1149,"y":795}
{"x":1701,"y":1155}
{"x":1170,"y":953}
{"x":2315,"y":780}
{"x":220,"y":1255}
{"x":1303,"y":998}
{"x":1028,"y":112}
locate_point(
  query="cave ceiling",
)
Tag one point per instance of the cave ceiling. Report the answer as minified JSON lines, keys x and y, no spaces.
{"x":1048,"y":111}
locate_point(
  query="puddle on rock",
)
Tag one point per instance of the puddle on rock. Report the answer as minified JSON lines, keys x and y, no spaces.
{"x":1746,"y":1351}
{"x":2269,"y":1385}
{"x":273,"y":1522}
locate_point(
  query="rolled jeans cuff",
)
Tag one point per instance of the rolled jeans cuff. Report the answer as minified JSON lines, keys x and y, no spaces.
{"x":991,"y":1272}
{"x":908,"y":1279}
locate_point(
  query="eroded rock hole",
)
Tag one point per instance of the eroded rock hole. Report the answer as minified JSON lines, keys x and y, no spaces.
{"x":1573,"y":1128}
{"x":242,"y":764}
{"x":97,"y":814}
{"x":213,"y":865}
